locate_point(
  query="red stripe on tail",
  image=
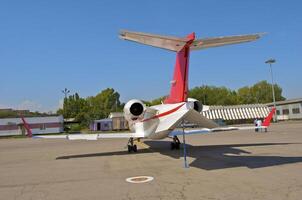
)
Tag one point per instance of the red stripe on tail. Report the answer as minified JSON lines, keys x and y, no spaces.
{"x":179,"y":87}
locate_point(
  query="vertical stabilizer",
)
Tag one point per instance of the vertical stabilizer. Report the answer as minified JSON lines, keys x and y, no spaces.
{"x":267,"y":120}
{"x":27,"y":127}
{"x":179,"y":84}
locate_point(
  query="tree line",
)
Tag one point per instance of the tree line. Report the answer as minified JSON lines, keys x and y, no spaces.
{"x":10,"y":113}
{"x":260,"y":92}
{"x":85,"y":110}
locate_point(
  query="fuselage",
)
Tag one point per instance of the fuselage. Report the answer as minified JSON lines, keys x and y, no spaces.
{"x":159,"y":120}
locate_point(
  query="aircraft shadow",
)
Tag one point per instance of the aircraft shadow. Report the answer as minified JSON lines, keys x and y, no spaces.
{"x":114,"y":153}
{"x":210,"y":157}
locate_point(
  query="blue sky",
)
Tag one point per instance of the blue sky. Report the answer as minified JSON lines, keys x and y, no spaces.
{"x":46,"y":46}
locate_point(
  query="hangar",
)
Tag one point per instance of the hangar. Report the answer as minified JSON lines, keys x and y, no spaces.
{"x":288,"y":109}
{"x":236,"y":112}
{"x":38,"y":125}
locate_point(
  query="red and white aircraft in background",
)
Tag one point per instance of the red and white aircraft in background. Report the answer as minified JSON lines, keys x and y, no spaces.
{"x":160,"y":121}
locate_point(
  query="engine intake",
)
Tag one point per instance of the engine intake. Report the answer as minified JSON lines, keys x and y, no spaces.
{"x":196,"y":104}
{"x":134,"y":109}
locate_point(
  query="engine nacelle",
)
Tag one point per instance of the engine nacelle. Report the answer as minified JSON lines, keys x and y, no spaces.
{"x":134,"y":109}
{"x":196,"y":105}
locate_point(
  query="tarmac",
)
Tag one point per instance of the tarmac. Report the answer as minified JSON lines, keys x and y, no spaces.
{"x":224,"y":165}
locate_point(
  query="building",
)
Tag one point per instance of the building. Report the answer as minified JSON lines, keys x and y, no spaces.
{"x":38,"y":125}
{"x":118,"y":121}
{"x":101,"y":125}
{"x":236,"y":112}
{"x":115,"y":121}
{"x":288,"y":109}
{"x":6,"y":110}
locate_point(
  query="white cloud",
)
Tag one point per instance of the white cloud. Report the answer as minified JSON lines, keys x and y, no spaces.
{"x":30,"y":105}
{"x":57,"y":107}
{"x":3,"y":106}
{"x":61,"y":103}
{"x":34,"y":106}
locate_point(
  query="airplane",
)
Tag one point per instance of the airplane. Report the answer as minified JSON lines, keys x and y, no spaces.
{"x":160,"y":121}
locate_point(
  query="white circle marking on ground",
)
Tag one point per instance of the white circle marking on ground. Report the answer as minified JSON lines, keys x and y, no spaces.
{"x":139,"y":179}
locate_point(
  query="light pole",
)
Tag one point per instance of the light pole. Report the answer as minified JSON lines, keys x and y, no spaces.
{"x":270,"y":62}
{"x":65,"y":92}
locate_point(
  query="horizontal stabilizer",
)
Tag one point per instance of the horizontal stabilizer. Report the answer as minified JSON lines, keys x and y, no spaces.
{"x":221,"y":41}
{"x":177,"y":43}
{"x":164,"y":42}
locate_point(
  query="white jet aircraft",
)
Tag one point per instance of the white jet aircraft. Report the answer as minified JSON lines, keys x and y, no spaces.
{"x":160,"y":121}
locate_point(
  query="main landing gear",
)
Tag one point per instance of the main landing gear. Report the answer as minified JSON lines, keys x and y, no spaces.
{"x":176,"y":143}
{"x":131,"y":146}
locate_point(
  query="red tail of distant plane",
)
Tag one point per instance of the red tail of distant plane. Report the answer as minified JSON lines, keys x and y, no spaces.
{"x":267,"y":120}
{"x":183,"y":46}
{"x":26,"y":126}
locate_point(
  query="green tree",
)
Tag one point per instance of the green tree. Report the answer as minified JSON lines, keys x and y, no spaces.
{"x":85,"y":110}
{"x":158,"y":100}
{"x":211,"y":95}
{"x":260,"y":92}
{"x":245,"y":96}
{"x":105,"y":102}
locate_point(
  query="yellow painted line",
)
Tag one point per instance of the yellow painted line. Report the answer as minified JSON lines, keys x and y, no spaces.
{"x":141,"y":144}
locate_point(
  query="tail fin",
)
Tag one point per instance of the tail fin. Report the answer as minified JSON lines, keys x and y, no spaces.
{"x":179,"y":84}
{"x":179,"y":88}
{"x":267,"y":120}
{"x":26,"y":126}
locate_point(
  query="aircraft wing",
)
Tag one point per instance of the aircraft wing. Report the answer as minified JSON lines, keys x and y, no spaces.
{"x":195,"y":117}
{"x":265,"y":124}
{"x":207,"y":130}
{"x":221,"y":41}
{"x":90,"y":136}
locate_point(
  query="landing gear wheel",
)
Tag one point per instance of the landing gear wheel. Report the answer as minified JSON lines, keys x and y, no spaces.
{"x":172,"y":145}
{"x":176,"y":143}
{"x":134,"y":148}
{"x":131,"y":146}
